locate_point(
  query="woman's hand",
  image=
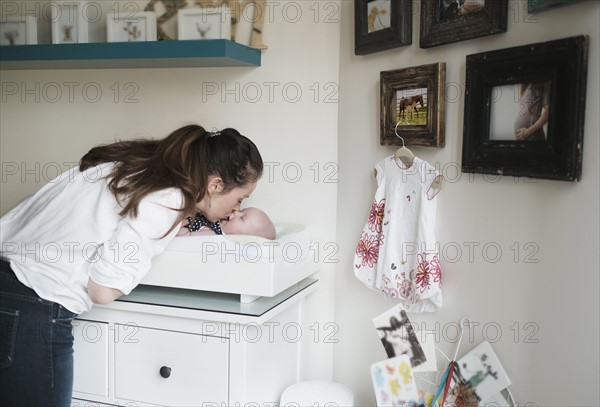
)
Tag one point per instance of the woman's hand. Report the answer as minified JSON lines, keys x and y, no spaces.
{"x":522,"y":134}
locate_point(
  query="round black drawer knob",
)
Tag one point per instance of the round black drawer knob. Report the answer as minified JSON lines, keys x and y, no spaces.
{"x":165,"y":371}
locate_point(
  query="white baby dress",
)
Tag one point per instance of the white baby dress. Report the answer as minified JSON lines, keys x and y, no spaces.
{"x":397,"y":252}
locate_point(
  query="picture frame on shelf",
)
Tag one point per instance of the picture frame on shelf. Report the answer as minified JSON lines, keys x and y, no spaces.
{"x":445,"y":22}
{"x":380,"y":25}
{"x":413,"y":106}
{"x":131,"y":27}
{"x":205,"y":23}
{"x":535,"y":6}
{"x":524,"y":110}
{"x":69,"y":24}
{"x":18,"y":31}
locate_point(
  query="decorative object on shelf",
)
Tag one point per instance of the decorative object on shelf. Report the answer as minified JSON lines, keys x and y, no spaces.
{"x":204,"y":23}
{"x":444,"y":22}
{"x":18,"y":31}
{"x":247,"y":18}
{"x":534,"y":6}
{"x":381,"y":24}
{"x":166,"y":11}
{"x":69,"y":23}
{"x":248,"y":22}
{"x":413,"y":105}
{"x":524,"y":110}
{"x":131,"y":27}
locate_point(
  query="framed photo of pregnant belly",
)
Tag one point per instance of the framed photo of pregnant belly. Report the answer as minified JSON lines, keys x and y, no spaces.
{"x":524,"y":110}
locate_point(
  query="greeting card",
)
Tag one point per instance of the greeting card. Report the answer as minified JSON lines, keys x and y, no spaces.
{"x":481,"y":369}
{"x":394,"y":382}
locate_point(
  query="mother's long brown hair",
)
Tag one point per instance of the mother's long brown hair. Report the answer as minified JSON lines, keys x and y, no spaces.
{"x":183,"y":160}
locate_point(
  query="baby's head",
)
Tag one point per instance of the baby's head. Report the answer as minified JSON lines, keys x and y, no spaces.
{"x":249,"y":221}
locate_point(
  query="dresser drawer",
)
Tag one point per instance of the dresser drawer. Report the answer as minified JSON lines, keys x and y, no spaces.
{"x":90,"y":357}
{"x":170,"y":368}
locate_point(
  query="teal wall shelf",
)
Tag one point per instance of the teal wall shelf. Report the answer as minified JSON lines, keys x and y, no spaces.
{"x":119,"y":55}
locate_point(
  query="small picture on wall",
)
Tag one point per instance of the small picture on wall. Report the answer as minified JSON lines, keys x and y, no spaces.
{"x":520,"y":112}
{"x":450,"y":9}
{"x":379,"y":13}
{"x":398,"y":336}
{"x":448,"y":21}
{"x":525,"y":110}
{"x":412,"y":107}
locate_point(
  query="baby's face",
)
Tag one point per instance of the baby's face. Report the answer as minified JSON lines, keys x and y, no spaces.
{"x":243,"y":222}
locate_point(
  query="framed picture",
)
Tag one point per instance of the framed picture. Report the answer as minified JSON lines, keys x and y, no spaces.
{"x":534,"y":6}
{"x":381,"y":24}
{"x":131,"y":27}
{"x":69,"y":25}
{"x":524,"y":110}
{"x":18,"y":31}
{"x":447,"y":21}
{"x":413,"y":106}
{"x":204,"y":23}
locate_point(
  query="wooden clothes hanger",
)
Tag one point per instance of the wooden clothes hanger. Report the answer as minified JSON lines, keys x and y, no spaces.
{"x":403,"y":153}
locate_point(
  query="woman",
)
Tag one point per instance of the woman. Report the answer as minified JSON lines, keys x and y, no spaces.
{"x":534,"y":111}
{"x":89,"y":236}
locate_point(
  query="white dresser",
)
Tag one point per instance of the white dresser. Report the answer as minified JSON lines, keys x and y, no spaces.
{"x":174,"y":347}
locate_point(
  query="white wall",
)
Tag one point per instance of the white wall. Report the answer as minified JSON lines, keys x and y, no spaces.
{"x":281,"y":105}
{"x":542,"y":316}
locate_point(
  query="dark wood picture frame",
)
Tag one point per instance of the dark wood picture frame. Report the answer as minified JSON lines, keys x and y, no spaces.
{"x":558,"y":154}
{"x":393,"y":83}
{"x":436,"y":30}
{"x":535,"y":6}
{"x":398,"y":34}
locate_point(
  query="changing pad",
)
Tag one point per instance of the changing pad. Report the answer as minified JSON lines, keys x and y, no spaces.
{"x":247,"y":265}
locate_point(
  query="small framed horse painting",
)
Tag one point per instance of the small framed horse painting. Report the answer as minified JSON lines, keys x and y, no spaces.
{"x":524,"y":110}
{"x":413,"y":106}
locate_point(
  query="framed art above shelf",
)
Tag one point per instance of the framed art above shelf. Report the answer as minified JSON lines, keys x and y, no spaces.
{"x":119,"y":55}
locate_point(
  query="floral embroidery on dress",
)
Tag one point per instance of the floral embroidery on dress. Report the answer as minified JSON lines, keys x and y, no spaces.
{"x":376,"y":216}
{"x":428,"y":270}
{"x":368,"y":249}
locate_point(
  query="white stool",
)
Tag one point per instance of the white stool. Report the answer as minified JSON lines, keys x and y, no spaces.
{"x":317,"y":393}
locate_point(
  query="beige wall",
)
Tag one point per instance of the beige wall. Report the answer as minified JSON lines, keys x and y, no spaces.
{"x":553,"y":361}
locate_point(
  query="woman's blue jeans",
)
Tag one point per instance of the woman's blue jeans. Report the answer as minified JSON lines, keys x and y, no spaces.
{"x":36,"y":347}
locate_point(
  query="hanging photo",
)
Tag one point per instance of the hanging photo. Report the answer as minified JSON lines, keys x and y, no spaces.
{"x":380,"y":25}
{"x":524,"y":110}
{"x":413,"y":105}
{"x":447,"y":21}
{"x":398,"y":336}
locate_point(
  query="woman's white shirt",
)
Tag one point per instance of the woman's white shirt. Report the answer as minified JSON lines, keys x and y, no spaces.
{"x":71,"y":230}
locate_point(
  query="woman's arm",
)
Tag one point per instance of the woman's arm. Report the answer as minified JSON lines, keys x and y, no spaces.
{"x":525,"y":133}
{"x":100,"y":294}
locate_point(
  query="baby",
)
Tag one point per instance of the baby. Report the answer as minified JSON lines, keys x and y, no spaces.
{"x":247,"y":221}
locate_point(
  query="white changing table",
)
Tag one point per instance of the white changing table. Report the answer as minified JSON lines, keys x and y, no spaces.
{"x":176,"y":347}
